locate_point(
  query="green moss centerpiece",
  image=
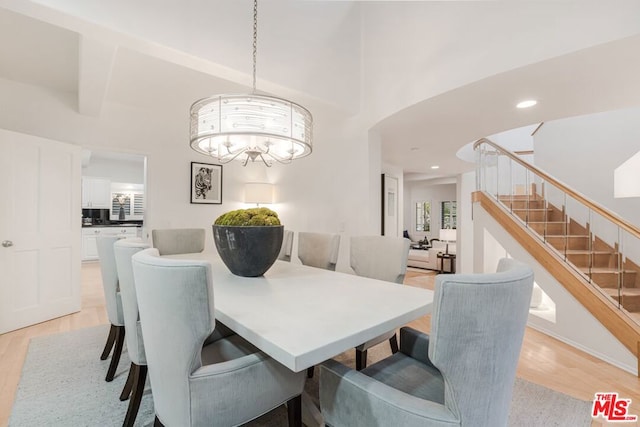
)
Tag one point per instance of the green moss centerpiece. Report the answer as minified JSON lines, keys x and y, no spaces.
{"x":248,"y":240}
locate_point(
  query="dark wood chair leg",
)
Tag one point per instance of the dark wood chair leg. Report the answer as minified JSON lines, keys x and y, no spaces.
{"x":393,"y":342}
{"x":294,"y":409}
{"x":157,"y":423}
{"x":109,"y":344}
{"x":361,"y":359}
{"x":310,"y":372}
{"x":126,"y":391}
{"x":136,"y":395}
{"x":117,"y":351}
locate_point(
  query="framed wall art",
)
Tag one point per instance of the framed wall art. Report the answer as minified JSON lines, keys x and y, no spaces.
{"x":389,"y":221}
{"x":206,"y":183}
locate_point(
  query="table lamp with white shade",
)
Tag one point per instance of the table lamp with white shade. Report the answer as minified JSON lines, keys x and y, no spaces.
{"x":447,"y":235}
{"x":258,"y":192}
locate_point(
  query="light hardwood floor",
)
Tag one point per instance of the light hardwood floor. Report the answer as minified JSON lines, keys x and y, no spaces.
{"x":543,"y":360}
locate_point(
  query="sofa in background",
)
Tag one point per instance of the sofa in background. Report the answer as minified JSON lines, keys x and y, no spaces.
{"x":428,"y":258}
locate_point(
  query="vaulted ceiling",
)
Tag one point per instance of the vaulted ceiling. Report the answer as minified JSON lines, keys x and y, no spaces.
{"x":429,"y":77}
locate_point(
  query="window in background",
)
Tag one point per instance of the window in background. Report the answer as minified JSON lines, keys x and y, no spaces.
{"x":423,"y":216}
{"x":449,"y":214}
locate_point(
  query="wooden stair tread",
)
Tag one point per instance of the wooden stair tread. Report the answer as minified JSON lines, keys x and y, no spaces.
{"x":587,"y":251}
{"x":632,"y":292}
{"x":606,"y":270}
{"x":547,"y":222}
{"x":556,"y":227}
{"x":521,"y":197}
{"x":582,"y":236}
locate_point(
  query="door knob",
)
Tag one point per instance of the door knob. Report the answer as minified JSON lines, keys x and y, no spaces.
{"x":7,"y":243}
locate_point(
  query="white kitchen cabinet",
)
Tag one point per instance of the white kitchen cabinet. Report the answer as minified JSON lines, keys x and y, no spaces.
{"x":96,"y":193}
{"x":91,"y":234}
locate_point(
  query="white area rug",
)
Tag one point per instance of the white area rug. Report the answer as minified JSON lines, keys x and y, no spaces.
{"x":62,"y":384}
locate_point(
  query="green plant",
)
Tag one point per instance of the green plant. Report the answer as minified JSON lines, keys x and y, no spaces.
{"x":249,"y":217}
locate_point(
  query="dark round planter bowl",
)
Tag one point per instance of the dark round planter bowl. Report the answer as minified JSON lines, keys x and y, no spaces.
{"x":248,"y":251}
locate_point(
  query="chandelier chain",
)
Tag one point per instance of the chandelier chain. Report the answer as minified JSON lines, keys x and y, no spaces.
{"x":255,"y":41}
{"x":251,"y":128}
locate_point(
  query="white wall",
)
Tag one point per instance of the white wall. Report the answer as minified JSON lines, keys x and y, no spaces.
{"x":584,"y":151}
{"x":322,"y":39}
{"x":518,"y":139}
{"x":374,"y":161}
{"x":574,"y":324}
{"x":464,"y":247}
{"x":396,"y":172}
{"x":329,"y":191}
{"x":383,"y":56}
{"x":116,"y":170}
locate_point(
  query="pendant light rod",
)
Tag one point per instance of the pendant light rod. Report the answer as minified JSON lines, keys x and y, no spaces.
{"x":255,"y":42}
{"x":251,"y":127}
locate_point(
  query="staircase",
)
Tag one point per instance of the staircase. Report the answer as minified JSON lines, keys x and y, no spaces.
{"x":600,"y":263}
{"x":586,"y":248}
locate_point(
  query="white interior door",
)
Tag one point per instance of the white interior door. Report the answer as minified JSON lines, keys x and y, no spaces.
{"x":40,"y":224}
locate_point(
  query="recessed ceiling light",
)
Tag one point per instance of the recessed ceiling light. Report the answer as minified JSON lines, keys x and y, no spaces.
{"x":435,"y":167}
{"x":526,"y":104}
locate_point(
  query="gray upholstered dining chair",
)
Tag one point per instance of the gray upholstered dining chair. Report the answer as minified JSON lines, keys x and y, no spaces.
{"x":382,"y":258}
{"x":134,"y":387}
{"x":196,"y":378}
{"x":113,"y":301}
{"x":287,"y":246}
{"x":461,"y":374}
{"x":172,"y":241}
{"x":319,"y":249}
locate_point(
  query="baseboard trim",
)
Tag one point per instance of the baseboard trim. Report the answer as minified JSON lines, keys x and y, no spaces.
{"x":628,"y":368}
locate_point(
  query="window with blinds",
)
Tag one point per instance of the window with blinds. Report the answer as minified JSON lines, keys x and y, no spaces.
{"x":138,"y":204}
{"x":423,"y":216}
{"x":127,"y":206}
{"x":120,"y":202}
{"x":449,"y":214}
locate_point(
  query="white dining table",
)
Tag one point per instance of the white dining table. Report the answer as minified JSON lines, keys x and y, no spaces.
{"x":302,"y":316}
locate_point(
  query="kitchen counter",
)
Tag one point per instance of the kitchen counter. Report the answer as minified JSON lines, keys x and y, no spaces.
{"x":111,"y":225}
{"x":90,"y":234}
